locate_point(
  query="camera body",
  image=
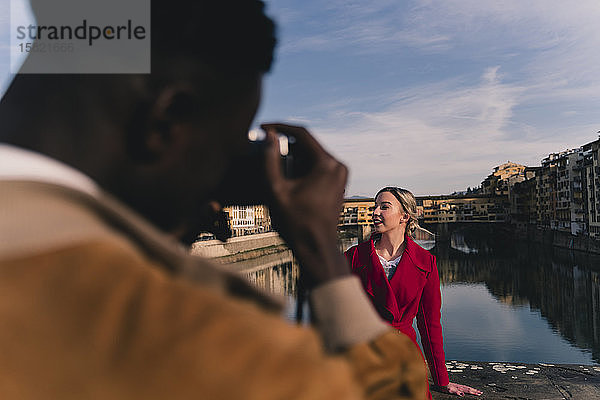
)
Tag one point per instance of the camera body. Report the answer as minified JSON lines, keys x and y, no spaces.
{"x":245,"y":182}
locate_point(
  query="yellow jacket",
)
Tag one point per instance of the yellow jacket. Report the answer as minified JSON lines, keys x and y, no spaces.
{"x":97,"y":304}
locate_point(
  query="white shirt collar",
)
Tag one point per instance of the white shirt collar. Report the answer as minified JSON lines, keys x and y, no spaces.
{"x":25,"y":165}
{"x":394,"y":261}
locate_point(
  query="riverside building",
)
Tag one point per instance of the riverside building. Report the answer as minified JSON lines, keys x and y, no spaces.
{"x":459,"y":208}
{"x":591,"y":178}
{"x":357,"y":211}
{"x":504,"y":177}
{"x":248,"y":220}
{"x":562,"y":194}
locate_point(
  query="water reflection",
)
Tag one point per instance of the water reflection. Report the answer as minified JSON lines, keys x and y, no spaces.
{"x":281,"y":279}
{"x":561,"y":287}
{"x":505,"y":301}
{"x":457,"y":242}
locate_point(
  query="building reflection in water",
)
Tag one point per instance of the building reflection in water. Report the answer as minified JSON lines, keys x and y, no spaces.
{"x":562,"y":286}
{"x":281,"y":279}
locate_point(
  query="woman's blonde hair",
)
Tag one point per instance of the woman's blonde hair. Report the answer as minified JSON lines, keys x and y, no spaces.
{"x":409,"y":204}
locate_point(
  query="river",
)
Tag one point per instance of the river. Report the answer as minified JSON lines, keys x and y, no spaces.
{"x":504,"y":300}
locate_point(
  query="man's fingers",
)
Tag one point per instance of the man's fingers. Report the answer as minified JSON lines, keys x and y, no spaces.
{"x":274,"y":169}
{"x":302,"y":136}
{"x":320,"y":160}
{"x":342,"y":172}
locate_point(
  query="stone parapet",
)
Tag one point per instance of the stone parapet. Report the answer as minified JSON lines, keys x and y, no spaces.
{"x":504,"y":380}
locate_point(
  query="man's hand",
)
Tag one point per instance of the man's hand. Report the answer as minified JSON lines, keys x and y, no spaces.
{"x":305,"y":210}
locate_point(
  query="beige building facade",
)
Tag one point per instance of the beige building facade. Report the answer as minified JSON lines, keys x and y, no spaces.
{"x":357,"y":211}
{"x":248,"y":220}
{"x":504,"y":177}
{"x":472,"y":208}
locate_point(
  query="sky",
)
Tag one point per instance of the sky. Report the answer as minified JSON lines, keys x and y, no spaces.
{"x":430,"y":95}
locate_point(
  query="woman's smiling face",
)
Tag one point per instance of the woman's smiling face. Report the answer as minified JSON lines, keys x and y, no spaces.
{"x":388,"y":213}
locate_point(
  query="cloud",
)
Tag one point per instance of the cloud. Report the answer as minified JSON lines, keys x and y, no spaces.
{"x":524,"y":83}
{"x":441,"y":137}
{"x":297,"y":119}
{"x":355,"y":26}
{"x":553,"y":41}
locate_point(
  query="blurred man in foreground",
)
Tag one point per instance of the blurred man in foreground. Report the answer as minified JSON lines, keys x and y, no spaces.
{"x":98,"y":174}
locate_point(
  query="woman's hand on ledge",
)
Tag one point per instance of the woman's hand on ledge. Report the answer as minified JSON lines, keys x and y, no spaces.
{"x":461,"y":390}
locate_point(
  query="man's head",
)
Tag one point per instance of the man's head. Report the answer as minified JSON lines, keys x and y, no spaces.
{"x":161,"y":142}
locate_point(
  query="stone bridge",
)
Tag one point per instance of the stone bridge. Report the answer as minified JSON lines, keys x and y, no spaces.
{"x":443,"y":231}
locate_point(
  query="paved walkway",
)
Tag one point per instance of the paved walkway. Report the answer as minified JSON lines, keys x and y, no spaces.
{"x":517,"y":381}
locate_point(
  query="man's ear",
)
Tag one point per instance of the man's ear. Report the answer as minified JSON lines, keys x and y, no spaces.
{"x":153,"y":129}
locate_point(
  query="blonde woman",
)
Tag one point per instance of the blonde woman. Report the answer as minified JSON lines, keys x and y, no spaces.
{"x":402,"y":280}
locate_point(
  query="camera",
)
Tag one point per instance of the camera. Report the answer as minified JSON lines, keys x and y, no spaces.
{"x":287,"y":147}
{"x":245,"y":182}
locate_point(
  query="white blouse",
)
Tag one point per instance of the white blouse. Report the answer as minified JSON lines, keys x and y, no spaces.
{"x":389,"y":266}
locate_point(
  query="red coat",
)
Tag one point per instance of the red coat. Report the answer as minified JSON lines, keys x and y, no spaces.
{"x":413,"y":291}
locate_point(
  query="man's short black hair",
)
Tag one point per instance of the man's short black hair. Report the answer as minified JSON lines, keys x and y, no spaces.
{"x":220,"y":46}
{"x":229,"y":35}
{"x":232,"y":34}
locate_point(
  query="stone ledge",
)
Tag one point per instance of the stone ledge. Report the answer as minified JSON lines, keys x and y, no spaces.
{"x":240,"y":244}
{"x":520,"y":381}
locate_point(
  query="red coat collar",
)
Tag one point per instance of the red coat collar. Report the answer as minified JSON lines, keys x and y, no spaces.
{"x":374,"y":279}
{"x":419,"y":256}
